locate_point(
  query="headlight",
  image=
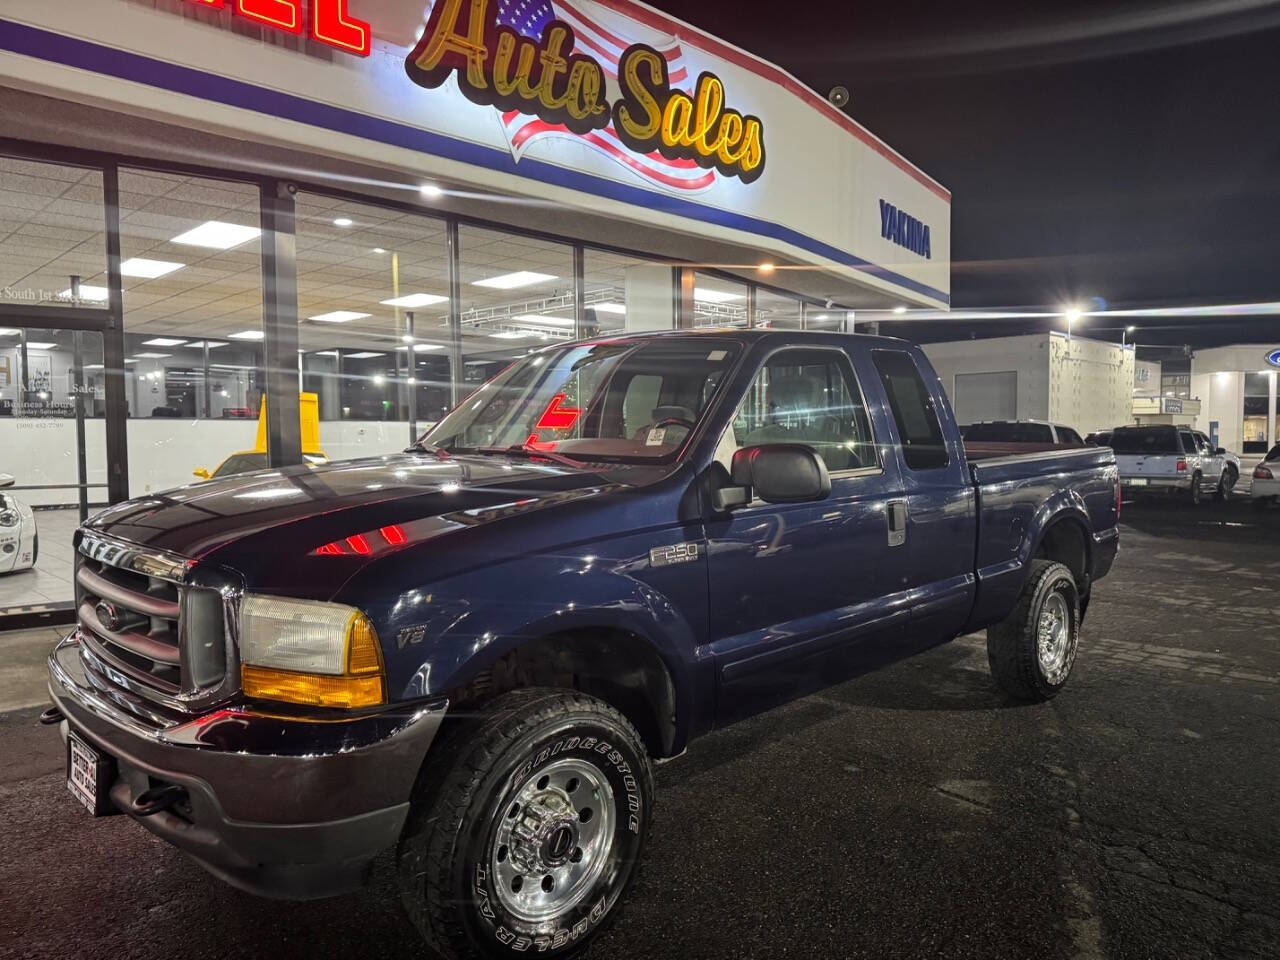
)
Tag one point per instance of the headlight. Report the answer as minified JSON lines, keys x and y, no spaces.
{"x":9,"y":518}
{"x":303,"y":651}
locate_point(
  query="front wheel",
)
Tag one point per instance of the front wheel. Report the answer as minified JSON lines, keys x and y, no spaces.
{"x":1031,"y":652}
{"x":526,"y":828}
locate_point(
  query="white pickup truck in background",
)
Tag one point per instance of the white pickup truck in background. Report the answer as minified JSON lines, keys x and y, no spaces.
{"x":1169,"y":460}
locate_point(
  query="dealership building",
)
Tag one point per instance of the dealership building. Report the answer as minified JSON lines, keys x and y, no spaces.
{"x":211,"y":205}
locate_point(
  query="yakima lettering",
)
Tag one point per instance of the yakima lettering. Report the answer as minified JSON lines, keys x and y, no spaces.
{"x":905,"y":230}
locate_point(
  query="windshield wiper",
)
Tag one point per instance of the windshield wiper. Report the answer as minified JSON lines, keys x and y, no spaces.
{"x":429,"y":448}
{"x":525,"y":450}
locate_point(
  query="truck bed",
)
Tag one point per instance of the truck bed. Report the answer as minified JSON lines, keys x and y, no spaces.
{"x":1015,"y":492}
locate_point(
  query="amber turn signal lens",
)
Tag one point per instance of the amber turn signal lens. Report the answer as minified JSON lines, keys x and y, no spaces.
{"x":364,"y":653}
{"x":311,"y":689}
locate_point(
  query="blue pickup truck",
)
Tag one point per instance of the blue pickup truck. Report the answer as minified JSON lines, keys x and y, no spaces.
{"x":473,"y":653}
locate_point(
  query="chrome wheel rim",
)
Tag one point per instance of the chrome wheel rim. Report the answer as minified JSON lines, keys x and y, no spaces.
{"x":554,"y":840}
{"x":1053,"y":638}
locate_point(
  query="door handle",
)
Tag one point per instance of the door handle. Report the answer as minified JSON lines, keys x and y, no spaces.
{"x":896,"y":517}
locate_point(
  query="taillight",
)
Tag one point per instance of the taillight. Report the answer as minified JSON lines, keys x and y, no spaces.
{"x":1262,"y":473}
{"x":1182,"y":465}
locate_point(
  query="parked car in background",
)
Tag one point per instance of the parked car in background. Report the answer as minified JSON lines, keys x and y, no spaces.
{"x":1021,"y":431}
{"x":1266,"y":479}
{"x":1230,"y":461}
{"x":471,"y":654}
{"x":19,"y":539}
{"x":1099,"y":438}
{"x":1167,"y":460}
{"x":246,"y":461}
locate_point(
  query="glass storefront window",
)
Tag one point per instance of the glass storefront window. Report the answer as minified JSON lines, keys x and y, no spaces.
{"x":718,"y":302}
{"x":626,"y":294}
{"x":776,"y":312}
{"x":373,"y":314}
{"x":52,"y":231}
{"x":516,"y":294}
{"x":51,"y":407}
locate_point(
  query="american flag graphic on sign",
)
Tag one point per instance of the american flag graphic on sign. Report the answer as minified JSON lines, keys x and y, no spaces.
{"x":529,"y":17}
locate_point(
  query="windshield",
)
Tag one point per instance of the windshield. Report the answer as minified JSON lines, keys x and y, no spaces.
{"x":636,"y":401}
{"x":1149,"y":440}
{"x":241,"y":463}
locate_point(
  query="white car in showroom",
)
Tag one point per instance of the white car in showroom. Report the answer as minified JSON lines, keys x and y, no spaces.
{"x":19,"y":542}
{"x":1266,"y":479}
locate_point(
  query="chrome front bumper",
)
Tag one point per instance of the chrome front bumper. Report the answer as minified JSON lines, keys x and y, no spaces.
{"x":277,"y":806}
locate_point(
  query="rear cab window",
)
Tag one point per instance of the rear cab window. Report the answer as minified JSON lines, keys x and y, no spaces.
{"x":1145,"y":440}
{"x":919,"y":430}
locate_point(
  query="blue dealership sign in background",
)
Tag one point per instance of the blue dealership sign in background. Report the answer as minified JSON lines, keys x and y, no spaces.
{"x":1273,"y":358}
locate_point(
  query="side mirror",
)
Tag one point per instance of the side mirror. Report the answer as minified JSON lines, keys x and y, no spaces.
{"x":779,"y":473}
{"x":1220,"y":451}
{"x":201,"y":472}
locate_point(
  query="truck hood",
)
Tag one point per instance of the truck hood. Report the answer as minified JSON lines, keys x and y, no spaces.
{"x":265,"y":524}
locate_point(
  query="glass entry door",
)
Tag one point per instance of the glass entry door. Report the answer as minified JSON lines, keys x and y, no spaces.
{"x":52,"y":460}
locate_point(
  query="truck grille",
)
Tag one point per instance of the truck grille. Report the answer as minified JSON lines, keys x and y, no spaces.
{"x":146,"y":631}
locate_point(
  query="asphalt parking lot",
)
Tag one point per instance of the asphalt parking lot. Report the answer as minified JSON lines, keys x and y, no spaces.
{"x":908,"y":813}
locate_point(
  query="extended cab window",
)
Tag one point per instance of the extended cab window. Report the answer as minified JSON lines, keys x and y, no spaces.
{"x":809,"y":397}
{"x":1067,"y":435}
{"x":923,"y":447}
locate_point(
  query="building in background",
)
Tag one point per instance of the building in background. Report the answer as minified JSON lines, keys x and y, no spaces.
{"x":1237,"y":389}
{"x":1084,"y":384}
{"x":199,"y":210}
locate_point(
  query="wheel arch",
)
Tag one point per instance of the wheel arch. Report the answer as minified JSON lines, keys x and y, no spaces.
{"x":1065,"y":539}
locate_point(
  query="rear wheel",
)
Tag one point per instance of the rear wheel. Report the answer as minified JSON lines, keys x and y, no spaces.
{"x":526,"y":828}
{"x":1195,"y":494}
{"x":1031,"y":652}
{"x":1223,"y":493}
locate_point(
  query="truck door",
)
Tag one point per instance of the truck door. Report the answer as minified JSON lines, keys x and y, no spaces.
{"x":803,"y":594}
{"x":941,"y":528}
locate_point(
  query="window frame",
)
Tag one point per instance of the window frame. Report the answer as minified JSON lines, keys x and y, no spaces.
{"x":841,"y":355}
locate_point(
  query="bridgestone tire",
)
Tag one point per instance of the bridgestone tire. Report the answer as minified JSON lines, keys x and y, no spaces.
{"x":450,"y":856}
{"x":1013,"y":644}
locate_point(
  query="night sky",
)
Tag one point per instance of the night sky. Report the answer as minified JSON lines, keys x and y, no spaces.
{"x":1123,"y":151}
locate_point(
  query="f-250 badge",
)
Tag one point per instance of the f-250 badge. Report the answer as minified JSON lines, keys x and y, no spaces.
{"x":676,"y":553}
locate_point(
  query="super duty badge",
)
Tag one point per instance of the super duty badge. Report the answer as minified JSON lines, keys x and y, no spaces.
{"x":676,"y":553}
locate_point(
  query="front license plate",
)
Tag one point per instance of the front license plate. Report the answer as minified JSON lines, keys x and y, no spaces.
{"x":87,"y":775}
{"x":1136,"y":483}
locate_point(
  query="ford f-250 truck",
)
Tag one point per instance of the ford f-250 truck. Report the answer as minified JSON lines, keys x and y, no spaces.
{"x":474,"y":652}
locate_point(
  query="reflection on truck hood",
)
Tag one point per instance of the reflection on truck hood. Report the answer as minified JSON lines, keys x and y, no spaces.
{"x":319,"y":524}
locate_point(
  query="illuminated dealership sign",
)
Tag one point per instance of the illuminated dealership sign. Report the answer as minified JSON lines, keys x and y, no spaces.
{"x":329,"y":23}
{"x":545,"y":84}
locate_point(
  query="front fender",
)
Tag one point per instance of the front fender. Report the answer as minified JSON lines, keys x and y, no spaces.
{"x":439,"y":637}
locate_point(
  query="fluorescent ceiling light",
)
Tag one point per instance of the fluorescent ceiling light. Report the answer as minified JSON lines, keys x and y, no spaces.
{"x":151,"y":356}
{"x":430,"y":191}
{"x":87,"y":292}
{"x":512,"y":335}
{"x":379,"y":250}
{"x":148,"y":269}
{"x":339,"y":316}
{"x":248,"y":335}
{"x":8,"y":332}
{"x":509,"y":281}
{"x":217,"y":235}
{"x":163,"y":342}
{"x":364,"y":355}
{"x":610,"y":307}
{"x":542,"y":318}
{"x":899,"y":309}
{"x":715,"y":296}
{"x":93,"y":366}
{"x":325,"y":353}
{"x":40,"y":346}
{"x":414,"y":300}
{"x":424,"y":347}
{"x":206,"y":343}
{"x":343,"y":222}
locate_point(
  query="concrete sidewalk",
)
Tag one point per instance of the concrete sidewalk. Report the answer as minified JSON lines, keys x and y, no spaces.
{"x":24,"y":677}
